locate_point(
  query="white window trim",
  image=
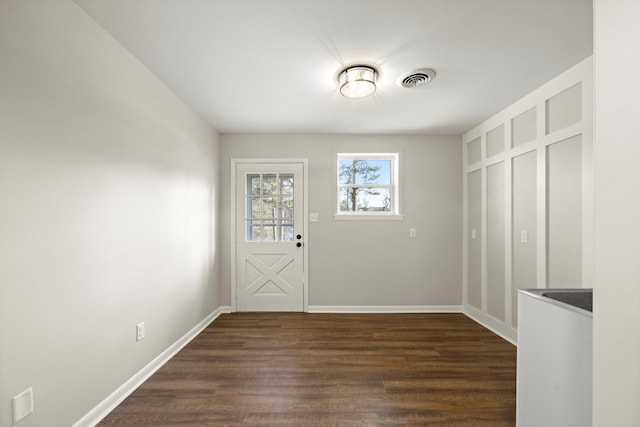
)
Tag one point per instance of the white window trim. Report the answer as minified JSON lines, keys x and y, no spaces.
{"x":395,"y":213}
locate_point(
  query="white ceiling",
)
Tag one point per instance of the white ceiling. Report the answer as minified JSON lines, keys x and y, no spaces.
{"x":271,"y":66}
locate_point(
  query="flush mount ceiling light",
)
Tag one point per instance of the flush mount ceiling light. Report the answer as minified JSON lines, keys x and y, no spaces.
{"x":357,"y":82}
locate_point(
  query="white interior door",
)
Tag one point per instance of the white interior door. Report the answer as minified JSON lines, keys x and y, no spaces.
{"x":269,"y":235}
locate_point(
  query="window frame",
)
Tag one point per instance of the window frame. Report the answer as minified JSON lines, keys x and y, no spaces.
{"x":394,"y":188}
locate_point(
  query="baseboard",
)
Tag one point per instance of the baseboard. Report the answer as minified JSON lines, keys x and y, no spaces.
{"x":94,"y":416}
{"x":385,"y":309}
{"x":494,"y":325}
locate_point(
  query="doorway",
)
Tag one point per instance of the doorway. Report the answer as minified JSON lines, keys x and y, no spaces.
{"x":269,"y":235}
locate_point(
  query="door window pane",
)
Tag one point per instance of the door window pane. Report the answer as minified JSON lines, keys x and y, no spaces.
{"x":286,"y":231}
{"x":254,"y":184}
{"x":269,"y":185}
{"x":253,"y":230}
{"x":267,"y":232}
{"x":286,"y":184}
{"x":286,"y":207}
{"x":269,"y":209}
{"x":254,"y":207}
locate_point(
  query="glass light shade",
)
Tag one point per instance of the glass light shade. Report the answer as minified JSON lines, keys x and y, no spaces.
{"x":357,"y":82}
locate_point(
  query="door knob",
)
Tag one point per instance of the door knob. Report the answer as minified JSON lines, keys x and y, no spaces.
{"x":299,"y":236}
{"x":298,"y":244}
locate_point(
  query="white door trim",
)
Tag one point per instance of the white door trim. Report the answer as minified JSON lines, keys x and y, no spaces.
{"x":305,"y":201}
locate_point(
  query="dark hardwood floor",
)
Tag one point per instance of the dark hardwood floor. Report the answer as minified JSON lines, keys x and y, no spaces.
{"x":301,"y":369}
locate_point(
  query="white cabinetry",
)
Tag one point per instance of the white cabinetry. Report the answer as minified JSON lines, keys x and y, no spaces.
{"x":554,"y":358}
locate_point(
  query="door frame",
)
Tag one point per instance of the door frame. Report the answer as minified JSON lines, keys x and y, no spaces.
{"x":305,"y":223}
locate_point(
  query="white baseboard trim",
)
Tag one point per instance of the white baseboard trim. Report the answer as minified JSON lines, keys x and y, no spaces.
{"x":385,"y":309}
{"x":491,"y":323}
{"x":94,"y":416}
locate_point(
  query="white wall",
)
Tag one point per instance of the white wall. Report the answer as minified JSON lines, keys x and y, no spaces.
{"x":359,"y":264}
{"x":107,"y":213}
{"x":529,"y":168}
{"x":617,"y":200}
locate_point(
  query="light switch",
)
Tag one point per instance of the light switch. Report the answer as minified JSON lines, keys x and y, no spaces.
{"x":524,"y":236}
{"x":473,"y":234}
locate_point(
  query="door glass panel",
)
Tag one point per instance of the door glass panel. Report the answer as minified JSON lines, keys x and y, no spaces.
{"x":253,"y":230}
{"x":269,"y":185}
{"x":286,"y":230}
{"x":268,"y":231}
{"x":254,"y":207}
{"x":269,"y":207}
{"x":286,"y":207}
{"x":254,"y":184}
{"x":286,"y":183}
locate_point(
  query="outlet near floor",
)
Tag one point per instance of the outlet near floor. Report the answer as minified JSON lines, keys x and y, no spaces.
{"x":22,"y":405}
{"x":139,"y":331}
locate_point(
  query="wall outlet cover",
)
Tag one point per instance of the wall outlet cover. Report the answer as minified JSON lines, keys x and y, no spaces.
{"x":139,"y":331}
{"x":22,"y":405}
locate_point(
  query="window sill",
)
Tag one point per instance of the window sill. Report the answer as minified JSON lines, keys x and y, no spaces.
{"x":368,"y":217}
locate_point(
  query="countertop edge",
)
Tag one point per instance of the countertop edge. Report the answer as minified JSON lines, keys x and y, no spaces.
{"x":537,"y":293}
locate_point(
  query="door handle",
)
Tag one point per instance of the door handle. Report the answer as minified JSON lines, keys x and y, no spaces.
{"x":299,"y":236}
{"x":298,"y":244}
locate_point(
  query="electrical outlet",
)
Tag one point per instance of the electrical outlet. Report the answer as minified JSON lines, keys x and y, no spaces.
{"x":412,"y":232}
{"x":140,"y":331}
{"x":22,"y":405}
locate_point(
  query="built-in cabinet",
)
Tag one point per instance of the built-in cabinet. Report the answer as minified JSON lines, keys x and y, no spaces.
{"x":528,"y":195}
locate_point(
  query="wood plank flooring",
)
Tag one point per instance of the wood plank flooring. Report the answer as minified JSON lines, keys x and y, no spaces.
{"x":302,"y":369}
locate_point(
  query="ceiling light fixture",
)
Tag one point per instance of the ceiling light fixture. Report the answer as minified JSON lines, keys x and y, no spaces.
{"x":357,"y":82}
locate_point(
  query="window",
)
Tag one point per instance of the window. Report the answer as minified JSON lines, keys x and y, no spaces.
{"x":367,"y":185}
{"x":269,"y":207}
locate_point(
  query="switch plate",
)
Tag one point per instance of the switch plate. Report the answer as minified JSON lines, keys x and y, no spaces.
{"x":313,"y":217}
{"x":524,"y":236}
{"x":473,"y":234}
{"x":140,"y":331}
{"x":22,"y":405}
{"x":412,"y":232}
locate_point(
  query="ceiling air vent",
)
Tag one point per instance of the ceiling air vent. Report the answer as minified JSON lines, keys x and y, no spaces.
{"x":417,"y":78}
